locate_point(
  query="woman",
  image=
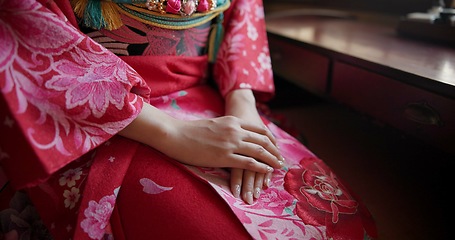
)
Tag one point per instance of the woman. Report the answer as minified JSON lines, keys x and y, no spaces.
{"x":138,"y":120}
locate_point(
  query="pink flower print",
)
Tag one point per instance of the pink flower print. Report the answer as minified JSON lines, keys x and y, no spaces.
{"x":71,"y":197}
{"x":95,"y":79}
{"x":319,"y":193}
{"x":173,"y":6}
{"x":70,"y":177}
{"x":7,"y":46}
{"x":151,"y":187}
{"x":28,"y":26}
{"x":97,"y":216}
{"x":274,"y":201}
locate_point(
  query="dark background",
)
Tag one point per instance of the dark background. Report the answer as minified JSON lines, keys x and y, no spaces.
{"x":380,"y":6}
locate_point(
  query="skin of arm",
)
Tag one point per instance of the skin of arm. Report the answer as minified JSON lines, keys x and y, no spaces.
{"x":228,"y":141}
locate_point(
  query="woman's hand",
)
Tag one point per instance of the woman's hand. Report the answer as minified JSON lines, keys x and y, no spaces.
{"x":222,"y":142}
{"x":219,"y":142}
{"x":245,"y":183}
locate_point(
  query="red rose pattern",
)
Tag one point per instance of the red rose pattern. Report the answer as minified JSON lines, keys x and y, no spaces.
{"x":321,"y":196}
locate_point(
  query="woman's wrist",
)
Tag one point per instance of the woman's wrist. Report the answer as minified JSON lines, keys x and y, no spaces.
{"x":240,"y":100}
{"x":150,"y":127}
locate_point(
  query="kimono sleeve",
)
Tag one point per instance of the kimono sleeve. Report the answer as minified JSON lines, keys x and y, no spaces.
{"x":243,"y":59}
{"x":62,"y":94}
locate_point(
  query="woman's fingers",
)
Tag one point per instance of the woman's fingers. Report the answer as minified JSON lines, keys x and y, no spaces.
{"x":260,"y":144}
{"x":267,"y":180}
{"x":261,"y":130}
{"x":236,"y":181}
{"x":249,"y":163}
{"x":255,"y":149}
{"x":258,"y":184}
{"x":221,"y":142}
{"x":262,"y":152}
{"x":248,"y":186}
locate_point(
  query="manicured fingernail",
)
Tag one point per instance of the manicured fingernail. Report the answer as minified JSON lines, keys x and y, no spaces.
{"x":257,"y":192}
{"x":269,"y":169}
{"x":281,"y":163}
{"x":267,"y":182}
{"x":237,"y":191}
{"x":249,"y":198}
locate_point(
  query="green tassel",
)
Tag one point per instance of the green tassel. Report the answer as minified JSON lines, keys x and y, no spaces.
{"x":99,"y":14}
{"x":93,"y":16}
{"x":216,"y":35}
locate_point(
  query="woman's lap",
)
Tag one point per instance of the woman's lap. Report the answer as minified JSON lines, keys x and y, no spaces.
{"x":179,"y":206}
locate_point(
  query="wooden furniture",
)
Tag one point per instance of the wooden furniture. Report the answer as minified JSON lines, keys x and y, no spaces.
{"x":408,"y":84}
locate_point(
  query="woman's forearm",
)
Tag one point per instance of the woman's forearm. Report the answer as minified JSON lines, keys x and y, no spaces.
{"x":150,"y":127}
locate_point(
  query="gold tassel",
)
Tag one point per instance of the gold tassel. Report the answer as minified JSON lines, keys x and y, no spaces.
{"x":103,"y":14}
{"x":79,"y":7}
{"x":111,"y":15}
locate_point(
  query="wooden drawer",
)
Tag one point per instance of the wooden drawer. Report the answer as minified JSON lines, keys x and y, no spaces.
{"x":417,"y":112}
{"x":298,"y":65}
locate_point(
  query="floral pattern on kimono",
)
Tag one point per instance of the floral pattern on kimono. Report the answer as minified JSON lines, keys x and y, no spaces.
{"x":69,"y":96}
{"x":61,"y":88}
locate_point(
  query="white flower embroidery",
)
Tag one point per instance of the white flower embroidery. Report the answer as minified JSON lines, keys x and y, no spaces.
{"x":71,"y":197}
{"x":111,"y":159}
{"x":264,"y":61}
{"x":70,"y":177}
{"x":259,"y":12}
{"x":252,"y":32}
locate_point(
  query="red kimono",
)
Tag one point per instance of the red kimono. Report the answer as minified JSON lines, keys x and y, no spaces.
{"x":67,"y":92}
